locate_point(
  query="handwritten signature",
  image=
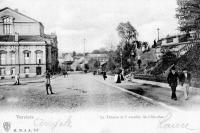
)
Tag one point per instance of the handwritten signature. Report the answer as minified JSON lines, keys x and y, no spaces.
{"x":54,"y":123}
{"x":166,"y":123}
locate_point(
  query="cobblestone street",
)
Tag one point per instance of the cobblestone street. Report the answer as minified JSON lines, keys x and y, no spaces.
{"x":74,"y":93}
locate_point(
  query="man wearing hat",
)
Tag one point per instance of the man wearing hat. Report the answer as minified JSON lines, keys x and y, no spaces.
{"x":172,"y":79}
{"x":48,"y":83}
{"x":185,"y":80}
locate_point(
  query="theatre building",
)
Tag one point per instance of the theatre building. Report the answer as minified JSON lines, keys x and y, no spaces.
{"x":24,"y":47}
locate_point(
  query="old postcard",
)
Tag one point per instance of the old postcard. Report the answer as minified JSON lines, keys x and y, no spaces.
{"x":99,"y":66}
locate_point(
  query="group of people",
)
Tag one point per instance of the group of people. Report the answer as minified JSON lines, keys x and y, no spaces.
{"x":118,"y":77}
{"x":184,"y":79}
{"x":48,"y":82}
{"x":173,"y":78}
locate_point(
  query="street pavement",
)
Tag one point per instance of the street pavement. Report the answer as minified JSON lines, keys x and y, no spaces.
{"x":76,"y":92}
{"x":161,"y":92}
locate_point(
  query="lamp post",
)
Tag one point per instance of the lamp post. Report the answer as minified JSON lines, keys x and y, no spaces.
{"x":19,"y":63}
{"x":17,"y":40}
{"x":132,"y":54}
{"x":84,"y":40}
{"x":121,"y":58}
{"x":158,"y":33}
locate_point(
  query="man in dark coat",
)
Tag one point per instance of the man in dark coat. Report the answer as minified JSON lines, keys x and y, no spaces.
{"x":172,"y":79}
{"x":185,"y":80}
{"x":48,"y":83}
{"x":104,"y":75}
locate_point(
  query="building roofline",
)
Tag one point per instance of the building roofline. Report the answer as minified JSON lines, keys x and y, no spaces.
{"x":20,"y":14}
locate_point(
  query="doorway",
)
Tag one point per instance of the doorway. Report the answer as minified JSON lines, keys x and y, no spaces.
{"x":38,"y":71}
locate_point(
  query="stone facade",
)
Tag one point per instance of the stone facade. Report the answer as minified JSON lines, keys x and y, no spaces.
{"x":24,"y":48}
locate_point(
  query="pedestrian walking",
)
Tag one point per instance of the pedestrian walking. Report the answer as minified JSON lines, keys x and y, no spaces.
{"x":48,"y":83}
{"x":94,"y":72}
{"x":122,"y":75}
{"x":17,"y":79}
{"x":185,"y":81}
{"x":172,"y":79}
{"x":118,"y":78}
{"x":64,"y":74}
{"x":104,"y":75}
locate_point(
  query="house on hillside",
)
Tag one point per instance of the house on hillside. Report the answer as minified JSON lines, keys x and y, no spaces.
{"x":177,"y":44}
{"x":24,"y":47}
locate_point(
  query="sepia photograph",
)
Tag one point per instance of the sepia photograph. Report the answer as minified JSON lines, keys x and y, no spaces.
{"x":99,"y":66}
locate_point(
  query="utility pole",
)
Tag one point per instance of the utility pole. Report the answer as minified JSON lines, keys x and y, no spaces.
{"x":158,"y":33}
{"x":84,"y":40}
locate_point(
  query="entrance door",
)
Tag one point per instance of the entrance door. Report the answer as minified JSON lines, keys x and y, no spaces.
{"x":38,"y":71}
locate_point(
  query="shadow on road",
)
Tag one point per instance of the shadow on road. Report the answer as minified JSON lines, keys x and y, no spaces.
{"x":138,"y":90}
{"x":150,"y":85}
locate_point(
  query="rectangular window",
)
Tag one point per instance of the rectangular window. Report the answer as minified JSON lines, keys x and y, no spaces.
{"x":27,"y":58}
{"x":7,"y":29}
{"x":2,"y":59}
{"x":39,"y":61}
{"x":8,"y":25}
{"x":169,"y":40}
{"x":2,"y":71}
{"x":38,"y":58}
{"x":12,"y":58}
{"x":12,"y":71}
{"x":26,"y":70}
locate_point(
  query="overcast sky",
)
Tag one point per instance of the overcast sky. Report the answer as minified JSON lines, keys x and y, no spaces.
{"x":96,"y":20}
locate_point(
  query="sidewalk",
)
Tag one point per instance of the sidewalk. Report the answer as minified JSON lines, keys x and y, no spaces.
{"x":37,"y":79}
{"x":22,"y":80}
{"x":160,"y":92}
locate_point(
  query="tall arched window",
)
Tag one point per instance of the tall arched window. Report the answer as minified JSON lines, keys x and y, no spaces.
{"x":3,"y":57}
{"x":39,"y":56}
{"x":27,"y":57}
{"x":8,"y":25}
{"x":12,"y":57}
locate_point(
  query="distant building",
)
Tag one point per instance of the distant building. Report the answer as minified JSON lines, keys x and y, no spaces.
{"x":24,"y":47}
{"x":100,"y":57}
{"x":65,"y":61}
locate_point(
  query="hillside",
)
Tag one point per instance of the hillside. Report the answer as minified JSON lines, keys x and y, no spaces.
{"x":164,"y":63}
{"x":191,"y":61}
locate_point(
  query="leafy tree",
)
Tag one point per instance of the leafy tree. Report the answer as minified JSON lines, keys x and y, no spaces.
{"x":169,"y":58}
{"x":95,"y":52}
{"x":96,"y":64}
{"x":113,"y":61}
{"x":127,"y":32}
{"x":128,"y":43}
{"x":188,"y":13}
{"x":93,"y":64}
{"x":138,"y":44}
